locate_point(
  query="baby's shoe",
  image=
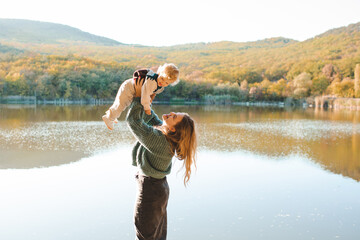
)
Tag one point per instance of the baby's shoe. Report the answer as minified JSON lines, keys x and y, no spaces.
{"x":108,"y":122}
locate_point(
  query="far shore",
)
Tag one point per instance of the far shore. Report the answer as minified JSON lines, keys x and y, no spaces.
{"x":340,"y":103}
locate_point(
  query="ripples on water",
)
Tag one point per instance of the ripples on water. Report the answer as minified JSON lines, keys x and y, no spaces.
{"x":275,"y":133}
{"x":275,"y":137}
{"x":260,"y":175}
{"x":308,"y":130}
{"x":76,"y":136}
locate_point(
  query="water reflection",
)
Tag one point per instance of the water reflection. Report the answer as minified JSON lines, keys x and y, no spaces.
{"x":22,"y":159}
{"x":260,"y":175}
{"x":232,"y":195}
{"x":330,"y":138}
{"x":86,"y":200}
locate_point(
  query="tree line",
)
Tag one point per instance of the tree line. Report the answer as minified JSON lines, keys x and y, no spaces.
{"x":76,"y":77}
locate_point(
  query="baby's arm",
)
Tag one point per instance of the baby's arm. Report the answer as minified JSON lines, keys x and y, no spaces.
{"x":146,"y":92}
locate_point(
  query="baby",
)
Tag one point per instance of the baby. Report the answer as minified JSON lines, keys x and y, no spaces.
{"x":154,"y":84}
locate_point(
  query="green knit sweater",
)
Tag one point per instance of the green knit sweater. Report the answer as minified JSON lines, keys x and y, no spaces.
{"x":152,"y":152}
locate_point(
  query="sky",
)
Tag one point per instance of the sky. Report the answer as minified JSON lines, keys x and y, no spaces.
{"x":167,"y":22}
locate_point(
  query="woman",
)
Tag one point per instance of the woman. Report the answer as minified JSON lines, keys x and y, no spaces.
{"x":157,"y":142}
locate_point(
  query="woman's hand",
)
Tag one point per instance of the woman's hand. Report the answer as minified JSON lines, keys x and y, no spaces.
{"x":138,"y":85}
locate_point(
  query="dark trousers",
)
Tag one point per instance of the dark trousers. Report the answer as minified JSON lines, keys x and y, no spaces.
{"x":150,"y":208}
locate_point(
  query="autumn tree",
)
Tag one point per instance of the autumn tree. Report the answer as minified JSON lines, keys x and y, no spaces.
{"x":302,"y":85}
{"x":357,"y":81}
{"x":277,"y":89}
{"x":329,"y":71}
{"x":244,"y":85}
{"x":345,"y":88}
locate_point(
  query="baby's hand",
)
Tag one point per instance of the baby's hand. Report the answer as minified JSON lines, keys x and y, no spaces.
{"x":148,"y":112}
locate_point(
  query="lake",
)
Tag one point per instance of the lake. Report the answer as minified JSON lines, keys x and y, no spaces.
{"x":262,"y":173}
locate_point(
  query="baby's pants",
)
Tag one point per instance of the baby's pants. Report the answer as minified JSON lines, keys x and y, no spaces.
{"x":123,"y":99}
{"x":150,"y":208}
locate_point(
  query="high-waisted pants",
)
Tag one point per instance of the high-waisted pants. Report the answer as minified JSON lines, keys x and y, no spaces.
{"x":150,"y":208}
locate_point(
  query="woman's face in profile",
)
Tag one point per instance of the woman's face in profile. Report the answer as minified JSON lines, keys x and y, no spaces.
{"x":172,"y":119}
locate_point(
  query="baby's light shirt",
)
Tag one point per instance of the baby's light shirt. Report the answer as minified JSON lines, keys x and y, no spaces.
{"x":149,"y":87}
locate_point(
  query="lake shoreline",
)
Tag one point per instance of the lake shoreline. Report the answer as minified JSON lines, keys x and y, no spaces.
{"x":317,"y":102}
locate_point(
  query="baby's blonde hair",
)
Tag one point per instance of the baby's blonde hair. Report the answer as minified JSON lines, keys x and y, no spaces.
{"x":170,"y":72}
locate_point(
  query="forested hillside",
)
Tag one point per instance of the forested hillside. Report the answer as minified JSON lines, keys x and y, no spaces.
{"x":269,"y":69}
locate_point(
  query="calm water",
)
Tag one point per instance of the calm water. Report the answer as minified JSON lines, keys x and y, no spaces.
{"x":263,"y":173}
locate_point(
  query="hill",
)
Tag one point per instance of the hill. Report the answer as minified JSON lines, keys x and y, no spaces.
{"x":289,"y":68}
{"x":350,"y":29}
{"x":35,"y":32}
{"x":7,"y":49}
{"x":275,"y":42}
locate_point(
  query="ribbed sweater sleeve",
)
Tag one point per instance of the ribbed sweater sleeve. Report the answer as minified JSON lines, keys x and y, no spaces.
{"x":152,"y":152}
{"x":152,"y":120}
{"x":148,"y":136}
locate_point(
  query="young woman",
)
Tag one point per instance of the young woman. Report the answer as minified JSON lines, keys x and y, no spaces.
{"x":157,"y":142}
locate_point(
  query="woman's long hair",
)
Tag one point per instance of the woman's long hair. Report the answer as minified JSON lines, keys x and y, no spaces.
{"x":183,"y":143}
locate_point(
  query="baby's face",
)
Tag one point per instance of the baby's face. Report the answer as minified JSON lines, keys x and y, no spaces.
{"x":162,"y":82}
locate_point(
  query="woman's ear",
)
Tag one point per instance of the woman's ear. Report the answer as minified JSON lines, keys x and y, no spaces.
{"x":172,"y":129}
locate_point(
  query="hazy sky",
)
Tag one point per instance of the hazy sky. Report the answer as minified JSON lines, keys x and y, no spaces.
{"x":167,"y":22}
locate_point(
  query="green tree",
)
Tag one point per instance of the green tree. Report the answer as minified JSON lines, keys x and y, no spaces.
{"x":68,"y":90}
{"x":319,"y":86}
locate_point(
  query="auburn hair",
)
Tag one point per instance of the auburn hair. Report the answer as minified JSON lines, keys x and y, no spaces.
{"x":183,"y":143}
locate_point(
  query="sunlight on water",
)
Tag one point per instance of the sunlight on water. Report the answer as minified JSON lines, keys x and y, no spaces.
{"x":91,"y":136}
{"x":332,"y":140}
{"x":257,"y":197}
{"x":89,"y":199}
{"x":262,"y":174}
{"x":75,"y":136}
{"x":309,"y":130}
{"x":231,"y":194}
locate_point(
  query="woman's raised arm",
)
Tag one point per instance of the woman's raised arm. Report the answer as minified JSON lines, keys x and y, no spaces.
{"x":141,"y":124}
